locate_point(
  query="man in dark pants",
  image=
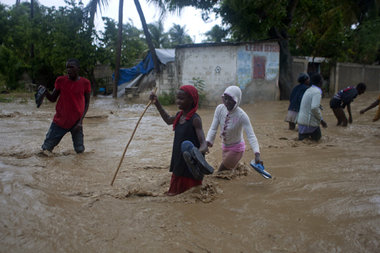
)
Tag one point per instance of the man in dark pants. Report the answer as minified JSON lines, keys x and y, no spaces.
{"x":343,"y":99}
{"x":73,"y":94}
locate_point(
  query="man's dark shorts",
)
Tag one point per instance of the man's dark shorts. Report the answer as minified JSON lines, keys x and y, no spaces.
{"x":55,"y":135}
{"x":335,"y":103}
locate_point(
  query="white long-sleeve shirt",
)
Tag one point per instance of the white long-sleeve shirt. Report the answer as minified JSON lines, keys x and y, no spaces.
{"x":310,"y":112}
{"x":232,"y":131}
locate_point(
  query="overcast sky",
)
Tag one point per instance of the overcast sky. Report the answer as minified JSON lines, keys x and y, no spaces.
{"x":189,"y":17}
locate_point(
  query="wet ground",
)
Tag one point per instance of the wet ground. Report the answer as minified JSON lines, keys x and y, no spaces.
{"x":324,"y":197}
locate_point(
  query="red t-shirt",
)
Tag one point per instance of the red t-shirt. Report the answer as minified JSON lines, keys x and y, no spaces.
{"x":71,"y":101}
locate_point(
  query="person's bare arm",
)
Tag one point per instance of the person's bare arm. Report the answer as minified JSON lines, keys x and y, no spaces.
{"x":52,"y":97}
{"x":165,"y":116}
{"x":323,"y":123}
{"x":197,"y":123}
{"x":374,"y":104}
{"x":86,"y":105}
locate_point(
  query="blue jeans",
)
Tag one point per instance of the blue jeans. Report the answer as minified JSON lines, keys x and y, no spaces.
{"x":186,"y":146}
{"x":56,"y":133}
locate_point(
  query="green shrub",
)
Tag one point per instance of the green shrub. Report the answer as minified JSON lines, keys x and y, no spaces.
{"x":200,"y":85}
{"x":167,"y":98}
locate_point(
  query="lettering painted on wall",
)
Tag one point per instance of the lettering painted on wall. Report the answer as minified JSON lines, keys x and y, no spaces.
{"x":261,"y":47}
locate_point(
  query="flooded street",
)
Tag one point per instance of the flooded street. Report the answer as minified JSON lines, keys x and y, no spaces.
{"x":324,"y":197}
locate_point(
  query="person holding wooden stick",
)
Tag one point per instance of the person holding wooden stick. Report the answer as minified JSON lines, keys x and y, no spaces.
{"x":187,"y":126}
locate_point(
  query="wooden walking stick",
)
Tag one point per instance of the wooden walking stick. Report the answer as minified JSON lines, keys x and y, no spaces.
{"x":130,"y":139}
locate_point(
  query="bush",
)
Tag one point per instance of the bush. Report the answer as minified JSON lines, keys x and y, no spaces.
{"x":11,"y":68}
{"x":167,"y":98}
{"x":200,"y":85}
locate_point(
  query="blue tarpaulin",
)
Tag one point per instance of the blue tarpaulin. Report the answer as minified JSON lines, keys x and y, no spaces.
{"x":145,"y":66}
{"x":126,"y":75}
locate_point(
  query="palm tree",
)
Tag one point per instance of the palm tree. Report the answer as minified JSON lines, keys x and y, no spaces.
{"x":179,"y":36}
{"x":216,"y":34}
{"x":159,"y":37}
{"x":118,"y":49}
{"x":92,"y":8}
{"x":147,"y":36}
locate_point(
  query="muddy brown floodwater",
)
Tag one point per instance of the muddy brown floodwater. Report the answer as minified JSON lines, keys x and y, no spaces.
{"x":324,"y":197}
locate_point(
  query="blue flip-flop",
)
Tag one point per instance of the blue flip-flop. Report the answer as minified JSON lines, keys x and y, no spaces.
{"x":260,"y":169}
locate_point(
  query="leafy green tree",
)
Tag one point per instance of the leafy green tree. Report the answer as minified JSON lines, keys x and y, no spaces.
{"x":178,"y":35}
{"x":364,"y":43}
{"x":342,"y":30}
{"x":133,"y":45}
{"x":270,"y":19}
{"x":338,"y":29}
{"x":4,"y":24}
{"x":10,"y":68}
{"x":216,"y":34}
{"x":57,"y":34}
{"x":16,"y":30}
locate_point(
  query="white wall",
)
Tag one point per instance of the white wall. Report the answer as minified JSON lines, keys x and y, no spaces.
{"x":215,"y":65}
{"x":254,"y":67}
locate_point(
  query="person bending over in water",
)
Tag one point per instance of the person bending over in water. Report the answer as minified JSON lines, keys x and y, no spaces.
{"x":187,"y":126}
{"x":344,"y":98}
{"x":232,"y":121}
{"x":374,"y":104}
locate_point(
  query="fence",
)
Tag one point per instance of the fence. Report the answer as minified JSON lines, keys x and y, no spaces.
{"x":346,"y":74}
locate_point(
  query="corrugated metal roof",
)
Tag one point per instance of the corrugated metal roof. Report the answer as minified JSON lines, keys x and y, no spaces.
{"x":221,"y":44}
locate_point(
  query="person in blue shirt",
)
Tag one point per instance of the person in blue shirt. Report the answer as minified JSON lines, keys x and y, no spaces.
{"x":295,"y":99}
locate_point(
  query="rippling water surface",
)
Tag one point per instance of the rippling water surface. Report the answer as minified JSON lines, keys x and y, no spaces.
{"x":324,"y":197}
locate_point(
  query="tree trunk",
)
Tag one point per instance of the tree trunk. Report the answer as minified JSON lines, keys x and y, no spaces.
{"x":118,"y":49}
{"x":92,"y":78}
{"x":148,"y":37}
{"x":286,"y":59}
{"x":32,"y":44}
{"x":286,"y":69}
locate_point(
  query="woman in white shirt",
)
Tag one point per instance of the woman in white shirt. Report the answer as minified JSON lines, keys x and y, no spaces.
{"x":232,"y":120}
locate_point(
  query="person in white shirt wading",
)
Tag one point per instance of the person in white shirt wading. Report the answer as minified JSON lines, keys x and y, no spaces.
{"x":232,"y":120}
{"x":310,"y":116}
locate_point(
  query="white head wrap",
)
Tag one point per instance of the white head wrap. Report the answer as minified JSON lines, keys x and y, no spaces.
{"x":235,"y":93}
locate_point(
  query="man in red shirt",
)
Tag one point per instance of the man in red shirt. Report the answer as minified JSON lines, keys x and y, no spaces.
{"x":73,"y":94}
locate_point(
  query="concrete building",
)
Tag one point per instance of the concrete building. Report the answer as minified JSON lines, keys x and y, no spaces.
{"x":253,"y":66}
